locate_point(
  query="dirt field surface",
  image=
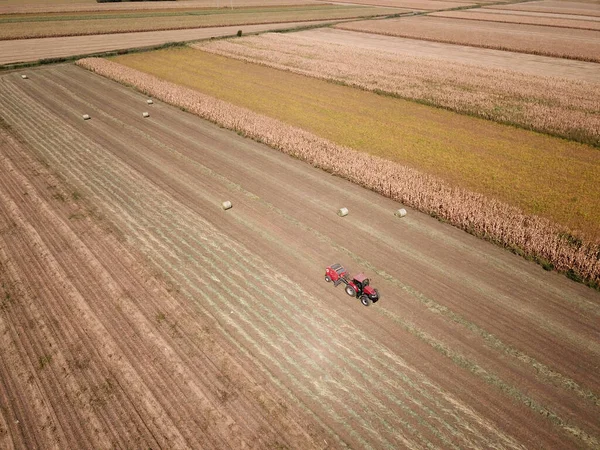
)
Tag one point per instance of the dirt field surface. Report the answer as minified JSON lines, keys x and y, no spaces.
{"x":25,"y":50}
{"x":591,"y":8}
{"x":497,"y":59}
{"x":76,"y":24}
{"x":424,"y":5}
{"x":137,"y":313}
{"x":529,"y":18}
{"x":17,"y":6}
{"x":534,"y":39}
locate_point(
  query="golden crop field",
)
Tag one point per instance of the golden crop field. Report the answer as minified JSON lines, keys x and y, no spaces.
{"x":557,"y":106}
{"x":46,"y":25}
{"x":540,"y":174}
{"x":535,"y":39}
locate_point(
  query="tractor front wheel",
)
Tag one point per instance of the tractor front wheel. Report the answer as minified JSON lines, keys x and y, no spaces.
{"x":350,"y":291}
{"x":365,"y":300}
{"x":327,"y":278}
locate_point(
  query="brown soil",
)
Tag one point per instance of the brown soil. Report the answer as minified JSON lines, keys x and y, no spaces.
{"x":137,"y":313}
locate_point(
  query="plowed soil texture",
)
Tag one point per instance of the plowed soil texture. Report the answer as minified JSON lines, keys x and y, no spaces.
{"x":135,"y":312}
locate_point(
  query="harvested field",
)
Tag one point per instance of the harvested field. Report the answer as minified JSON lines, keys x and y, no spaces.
{"x":555,"y":106}
{"x":494,"y":16}
{"x":494,"y":59}
{"x":36,"y":26}
{"x":41,"y":6}
{"x":497,"y":160}
{"x":157,"y":319}
{"x":26,"y":50}
{"x":582,"y":45}
{"x":590,"y":8}
{"x":418,"y":5}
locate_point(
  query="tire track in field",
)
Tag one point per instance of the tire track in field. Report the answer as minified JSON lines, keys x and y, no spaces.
{"x":100,"y":287}
{"x":246,"y":417}
{"x":44,"y":321}
{"x":66,"y":314}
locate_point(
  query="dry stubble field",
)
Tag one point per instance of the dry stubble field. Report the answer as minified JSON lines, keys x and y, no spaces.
{"x":562,"y":21}
{"x":569,"y":43}
{"x":135,"y":312}
{"x":27,"y":26}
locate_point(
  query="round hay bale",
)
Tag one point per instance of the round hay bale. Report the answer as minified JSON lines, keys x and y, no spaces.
{"x":226,"y":205}
{"x":145,"y":114}
{"x":400,"y":213}
{"x":24,"y":77}
{"x":343,"y":212}
{"x":149,"y":101}
{"x":86,"y":117}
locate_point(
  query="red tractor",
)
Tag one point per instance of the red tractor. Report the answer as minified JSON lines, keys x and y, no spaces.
{"x":356,"y":287}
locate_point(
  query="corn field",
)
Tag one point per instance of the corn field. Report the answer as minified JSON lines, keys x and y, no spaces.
{"x":561,"y":107}
{"x":498,"y":222}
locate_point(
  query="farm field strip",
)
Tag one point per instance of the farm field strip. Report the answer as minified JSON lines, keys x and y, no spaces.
{"x":27,"y":50}
{"x":492,"y":59}
{"x":424,"y":5}
{"x":569,"y":108}
{"x":174,"y":245}
{"x":555,"y":7}
{"x":569,"y":43}
{"x":509,"y":12}
{"x":493,"y":16}
{"x":461,"y":150}
{"x":166,"y":218}
{"x":34,"y":7}
{"x":15,"y":28}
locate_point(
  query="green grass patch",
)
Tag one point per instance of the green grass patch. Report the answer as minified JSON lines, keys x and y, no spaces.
{"x":543,"y":175}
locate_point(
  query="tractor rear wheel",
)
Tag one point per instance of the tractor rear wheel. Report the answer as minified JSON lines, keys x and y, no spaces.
{"x":327,"y":278}
{"x":365,"y":300}
{"x":350,"y":291}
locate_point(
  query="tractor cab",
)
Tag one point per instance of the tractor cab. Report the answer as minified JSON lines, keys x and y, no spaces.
{"x":361,"y":281}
